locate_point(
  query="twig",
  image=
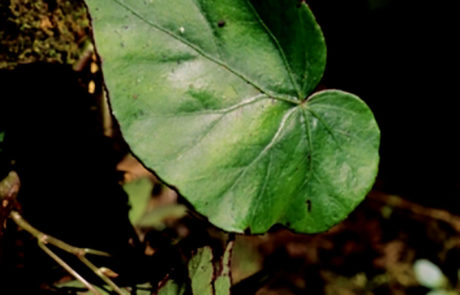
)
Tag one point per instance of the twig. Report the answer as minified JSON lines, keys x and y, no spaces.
{"x":68,"y":268}
{"x":79,"y":252}
{"x":9,"y":188}
{"x":47,"y":239}
{"x":101,"y":275}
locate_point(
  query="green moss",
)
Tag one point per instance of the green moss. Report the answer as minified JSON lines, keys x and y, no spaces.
{"x":42,"y":30}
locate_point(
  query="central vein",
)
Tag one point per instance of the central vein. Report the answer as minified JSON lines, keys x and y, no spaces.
{"x":278,"y":96}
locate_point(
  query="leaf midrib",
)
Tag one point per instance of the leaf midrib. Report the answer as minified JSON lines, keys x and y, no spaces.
{"x":280,"y":49}
{"x":278,"y":96}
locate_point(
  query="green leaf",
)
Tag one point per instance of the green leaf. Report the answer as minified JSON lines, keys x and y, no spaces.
{"x":223,"y":281}
{"x":141,"y":214}
{"x":201,"y":271}
{"x":212,"y":96}
{"x":156,"y":218}
{"x":77,"y":288}
{"x":139,"y":192}
{"x":171,"y":288}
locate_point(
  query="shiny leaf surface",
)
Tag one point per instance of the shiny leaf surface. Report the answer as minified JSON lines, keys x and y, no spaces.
{"x":215,"y":97}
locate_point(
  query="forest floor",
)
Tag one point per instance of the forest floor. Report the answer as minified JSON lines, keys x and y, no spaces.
{"x":379,"y":249}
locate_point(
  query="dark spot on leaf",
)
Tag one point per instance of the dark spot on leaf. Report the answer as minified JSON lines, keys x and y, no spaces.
{"x":135,"y":96}
{"x":309,"y":205}
{"x":125,"y":27}
{"x":122,"y":44}
{"x":221,"y":23}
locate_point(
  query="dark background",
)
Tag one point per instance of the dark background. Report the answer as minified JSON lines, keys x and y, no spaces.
{"x":399,"y":55}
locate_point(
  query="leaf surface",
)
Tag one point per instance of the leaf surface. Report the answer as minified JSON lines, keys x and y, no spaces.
{"x":171,"y":288}
{"x":139,"y":193}
{"x":215,"y":97}
{"x":201,"y":272}
{"x":223,"y":280}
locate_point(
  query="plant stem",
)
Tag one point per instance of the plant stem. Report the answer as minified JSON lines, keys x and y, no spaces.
{"x":101,"y":275}
{"x":9,"y":188}
{"x":68,"y":268}
{"x":44,"y":239}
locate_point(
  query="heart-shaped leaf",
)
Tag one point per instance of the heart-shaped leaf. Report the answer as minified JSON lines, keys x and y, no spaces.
{"x":215,"y":97}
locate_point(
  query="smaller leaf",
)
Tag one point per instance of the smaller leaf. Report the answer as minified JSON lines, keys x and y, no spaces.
{"x":145,"y":289}
{"x":171,"y":288}
{"x":77,"y":288}
{"x":139,"y":193}
{"x":201,"y":271}
{"x":156,"y":218}
{"x":223,"y":281}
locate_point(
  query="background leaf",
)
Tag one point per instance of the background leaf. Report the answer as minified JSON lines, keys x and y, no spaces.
{"x":77,"y":288}
{"x":171,"y":288}
{"x":204,"y":277}
{"x":223,"y":280}
{"x":139,"y":193}
{"x":201,"y":272}
{"x":212,"y":96}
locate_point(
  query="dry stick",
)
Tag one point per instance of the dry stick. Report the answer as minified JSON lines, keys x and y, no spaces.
{"x":9,"y":188}
{"x":79,"y":252}
{"x":46,"y":239}
{"x":68,"y":268}
{"x":101,"y":275}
